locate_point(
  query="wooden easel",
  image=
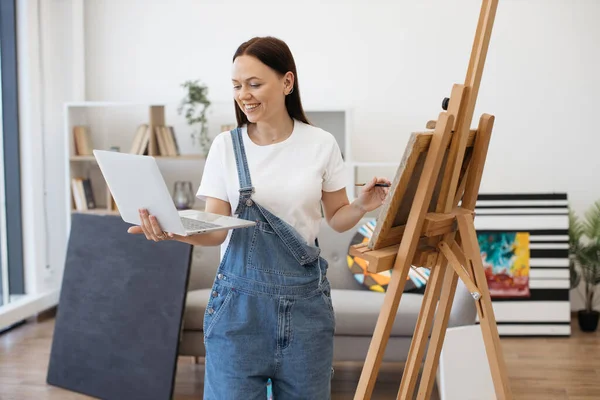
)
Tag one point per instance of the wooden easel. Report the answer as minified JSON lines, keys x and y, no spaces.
{"x":422,"y":224}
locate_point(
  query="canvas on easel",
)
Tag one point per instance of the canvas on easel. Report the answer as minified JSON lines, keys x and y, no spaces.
{"x":428,"y":220}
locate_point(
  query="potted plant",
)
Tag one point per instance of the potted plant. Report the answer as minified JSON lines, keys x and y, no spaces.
{"x":194,"y":105}
{"x":584,"y":262}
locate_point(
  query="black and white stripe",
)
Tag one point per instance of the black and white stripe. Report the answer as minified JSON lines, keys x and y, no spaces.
{"x":545,"y":217}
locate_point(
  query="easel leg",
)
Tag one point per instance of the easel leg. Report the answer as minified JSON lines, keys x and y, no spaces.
{"x":381,"y":335}
{"x":487,"y":319}
{"x":438,"y":334}
{"x":423,"y":327}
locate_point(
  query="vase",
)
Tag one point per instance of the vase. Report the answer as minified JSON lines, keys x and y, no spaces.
{"x":183,"y":197}
{"x":588,"y":320}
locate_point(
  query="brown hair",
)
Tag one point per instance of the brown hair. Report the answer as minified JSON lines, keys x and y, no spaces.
{"x":275,"y":54}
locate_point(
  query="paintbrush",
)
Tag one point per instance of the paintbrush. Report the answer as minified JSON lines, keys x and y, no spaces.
{"x":377,"y":184}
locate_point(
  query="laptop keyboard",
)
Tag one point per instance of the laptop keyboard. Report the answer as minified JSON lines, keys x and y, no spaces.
{"x":194,"y":224}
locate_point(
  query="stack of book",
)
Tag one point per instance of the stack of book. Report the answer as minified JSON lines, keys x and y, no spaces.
{"x":164,"y":137}
{"x":82,"y":194}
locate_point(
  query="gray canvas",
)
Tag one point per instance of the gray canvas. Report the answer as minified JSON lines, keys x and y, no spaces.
{"x":120,"y":312}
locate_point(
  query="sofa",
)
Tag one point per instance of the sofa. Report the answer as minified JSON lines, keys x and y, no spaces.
{"x":356,"y":308}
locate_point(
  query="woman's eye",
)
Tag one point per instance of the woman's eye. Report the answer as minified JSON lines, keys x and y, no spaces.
{"x":236,"y":87}
{"x":254,"y":85}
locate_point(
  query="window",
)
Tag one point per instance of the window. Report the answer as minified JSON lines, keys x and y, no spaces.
{"x":12,"y":283}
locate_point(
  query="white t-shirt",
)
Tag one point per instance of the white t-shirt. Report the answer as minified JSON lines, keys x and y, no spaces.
{"x":288,"y":176}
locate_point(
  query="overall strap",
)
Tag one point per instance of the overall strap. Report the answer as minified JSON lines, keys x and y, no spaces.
{"x":243,"y":171}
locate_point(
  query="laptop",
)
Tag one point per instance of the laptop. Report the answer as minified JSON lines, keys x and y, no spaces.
{"x":135,"y":182}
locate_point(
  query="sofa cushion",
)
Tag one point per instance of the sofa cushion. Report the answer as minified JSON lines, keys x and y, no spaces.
{"x":356,"y":311}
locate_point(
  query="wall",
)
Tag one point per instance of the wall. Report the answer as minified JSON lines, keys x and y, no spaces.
{"x":391,"y":63}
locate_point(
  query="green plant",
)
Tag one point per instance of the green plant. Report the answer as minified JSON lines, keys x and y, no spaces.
{"x":584,"y":253}
{"x":194,"y":105}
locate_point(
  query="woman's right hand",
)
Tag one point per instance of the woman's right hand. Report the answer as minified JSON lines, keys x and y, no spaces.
{"x":150,"y":227}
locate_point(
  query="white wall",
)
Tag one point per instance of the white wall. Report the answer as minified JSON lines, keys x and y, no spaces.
{"x":391,"y":62}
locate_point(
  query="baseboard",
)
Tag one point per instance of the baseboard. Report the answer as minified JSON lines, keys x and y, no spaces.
{"x":27,"y":307}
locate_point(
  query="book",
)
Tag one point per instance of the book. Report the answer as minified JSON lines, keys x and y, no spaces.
{"x":82,"y":141}
{"x":88,"y":194}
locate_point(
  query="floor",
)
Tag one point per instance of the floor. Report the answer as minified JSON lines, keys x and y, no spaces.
{"x":539,"y":368}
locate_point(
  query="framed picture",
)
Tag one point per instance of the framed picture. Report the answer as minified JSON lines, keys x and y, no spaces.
{"x":505,"y":257}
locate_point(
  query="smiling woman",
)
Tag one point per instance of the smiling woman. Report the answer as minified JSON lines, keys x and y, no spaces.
{"x":271,"y":287}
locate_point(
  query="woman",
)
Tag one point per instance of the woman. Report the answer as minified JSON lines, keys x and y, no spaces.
{"x":270,"y":312}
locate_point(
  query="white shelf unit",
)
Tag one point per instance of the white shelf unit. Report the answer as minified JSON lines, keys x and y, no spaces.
{"x":112,"y":124}
{"x":115,"y":123}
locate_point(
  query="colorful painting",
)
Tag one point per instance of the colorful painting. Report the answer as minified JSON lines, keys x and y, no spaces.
{"x":505,"y":257}
{"x":378,"y":282}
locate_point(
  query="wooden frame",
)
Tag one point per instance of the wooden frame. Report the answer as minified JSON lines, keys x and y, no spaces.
{"x":428,"y":220}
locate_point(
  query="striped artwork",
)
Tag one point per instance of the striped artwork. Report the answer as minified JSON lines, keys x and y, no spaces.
{"x":546,"y":311}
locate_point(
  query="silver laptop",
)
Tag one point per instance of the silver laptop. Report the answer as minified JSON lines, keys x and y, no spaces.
{"x":135,"y":182}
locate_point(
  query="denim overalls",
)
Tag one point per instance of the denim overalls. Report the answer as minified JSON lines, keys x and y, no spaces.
{"x":270,"y":313}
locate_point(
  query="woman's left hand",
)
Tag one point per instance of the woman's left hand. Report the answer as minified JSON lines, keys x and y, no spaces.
{"x":373,"y":196}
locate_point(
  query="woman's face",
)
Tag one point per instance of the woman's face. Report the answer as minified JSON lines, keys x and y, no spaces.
{"x":258,"y":90}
